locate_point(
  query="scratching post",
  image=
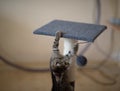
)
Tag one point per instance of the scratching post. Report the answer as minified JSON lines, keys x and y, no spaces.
{"x":64,"y":79}
{"x":68,"y":45}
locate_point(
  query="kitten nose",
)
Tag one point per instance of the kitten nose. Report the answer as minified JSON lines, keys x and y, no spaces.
{"x":58,"y":65}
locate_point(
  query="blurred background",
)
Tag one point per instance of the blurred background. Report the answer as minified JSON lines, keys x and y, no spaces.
{"x":18,"y":44}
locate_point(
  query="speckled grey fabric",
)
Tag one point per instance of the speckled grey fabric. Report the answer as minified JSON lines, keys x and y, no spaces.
{"x":72,"y":30}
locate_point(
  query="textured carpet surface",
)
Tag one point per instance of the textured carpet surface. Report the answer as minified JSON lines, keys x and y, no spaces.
{"x":72,"y":30}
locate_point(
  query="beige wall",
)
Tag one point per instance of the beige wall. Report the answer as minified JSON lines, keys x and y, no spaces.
{"x":19,"y":18}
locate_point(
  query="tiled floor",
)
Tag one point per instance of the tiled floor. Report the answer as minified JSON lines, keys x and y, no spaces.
{"x":86,"y":80}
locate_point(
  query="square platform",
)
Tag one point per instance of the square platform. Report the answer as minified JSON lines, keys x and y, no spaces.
{"x":72,"y":30}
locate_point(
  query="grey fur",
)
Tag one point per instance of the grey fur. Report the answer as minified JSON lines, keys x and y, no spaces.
{"x":59,"y":66}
